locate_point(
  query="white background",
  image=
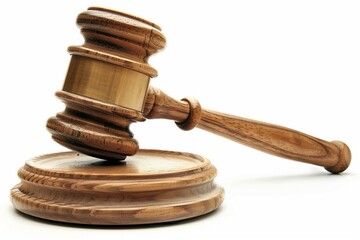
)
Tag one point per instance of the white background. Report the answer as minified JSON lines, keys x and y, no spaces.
{"x":293,"y":63}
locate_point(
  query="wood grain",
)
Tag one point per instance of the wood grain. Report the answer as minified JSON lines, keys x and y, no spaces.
{"x":106,"y":84}
{"x":277,"y":140}
{"x":118,"y":39}
{"x":95,"y":128}
{"x":151,"y":187}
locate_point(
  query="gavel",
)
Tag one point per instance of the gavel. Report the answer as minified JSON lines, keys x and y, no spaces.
{"x":107,"y":88}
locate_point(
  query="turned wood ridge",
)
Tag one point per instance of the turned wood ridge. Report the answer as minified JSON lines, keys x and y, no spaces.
{"x":107,"y":88}
{"x":75,"y":188}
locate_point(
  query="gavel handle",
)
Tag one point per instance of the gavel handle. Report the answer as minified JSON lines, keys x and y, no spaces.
{"x":277,"y":140}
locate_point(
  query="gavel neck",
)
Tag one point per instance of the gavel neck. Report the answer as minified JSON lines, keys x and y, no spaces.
{"x":160,"y":105}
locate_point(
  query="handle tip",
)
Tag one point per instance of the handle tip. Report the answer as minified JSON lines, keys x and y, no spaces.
{"x":344,"y":158}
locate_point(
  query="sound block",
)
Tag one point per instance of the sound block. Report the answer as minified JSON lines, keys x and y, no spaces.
{"x":151,"y":187}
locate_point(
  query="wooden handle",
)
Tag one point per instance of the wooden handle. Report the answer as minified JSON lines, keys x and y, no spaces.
{"x":280,"y":141}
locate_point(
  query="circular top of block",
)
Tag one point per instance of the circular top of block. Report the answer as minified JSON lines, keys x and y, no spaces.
{"x":149,"y":163}
{"x":151,"y":167}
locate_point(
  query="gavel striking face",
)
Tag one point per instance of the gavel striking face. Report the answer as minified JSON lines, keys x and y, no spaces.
{"x":107,"y":88}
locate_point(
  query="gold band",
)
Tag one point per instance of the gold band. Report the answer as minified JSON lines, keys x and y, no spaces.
{"x":106,"y":82}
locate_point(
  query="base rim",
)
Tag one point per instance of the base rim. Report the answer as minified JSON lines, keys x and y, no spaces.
{"x":49,"y":202}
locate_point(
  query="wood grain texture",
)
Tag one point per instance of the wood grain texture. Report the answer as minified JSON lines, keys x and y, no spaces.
{"x":119,"y":38}
{"x":151,"y":187}
{"x":94,"y":127}
{"x":106,"y":84}
{"x":277,"y":140}
{"x":127,"y":41}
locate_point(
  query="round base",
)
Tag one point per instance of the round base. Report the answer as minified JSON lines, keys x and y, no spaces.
{"x":150,"y":187}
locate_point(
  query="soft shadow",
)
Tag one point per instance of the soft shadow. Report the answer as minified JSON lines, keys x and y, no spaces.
{"x":114,"y":227}
{"x":310,"y":177}
{"x":108,"y":163}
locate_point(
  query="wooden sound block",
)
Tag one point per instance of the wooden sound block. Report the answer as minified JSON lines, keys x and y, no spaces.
{"x":150,"y":187}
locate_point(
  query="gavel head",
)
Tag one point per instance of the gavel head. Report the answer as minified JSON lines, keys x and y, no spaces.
{"x":106,"y":85}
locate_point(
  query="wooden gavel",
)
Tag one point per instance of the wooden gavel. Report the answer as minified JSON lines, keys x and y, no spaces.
{"x":107,"y":88}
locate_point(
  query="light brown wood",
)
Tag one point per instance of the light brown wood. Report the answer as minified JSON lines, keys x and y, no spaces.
{"x":95,"y":128}
{"x":151,"y":187}
{"x":277,"y":140}
{"x":106,"y":84}
{"x":111,"y":66}
{"x":118,"y":38}
{"x":98,"y":125}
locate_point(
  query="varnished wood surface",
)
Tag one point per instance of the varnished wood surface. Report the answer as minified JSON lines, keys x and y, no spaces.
{"x":106,"y":85}
{"x":121,"y":39}
{"x":277,"y":140}
{"x":150,"y":187}
{"x":106,"y":82}
{"x":112,"y":64}
{"x":94,"y":127}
